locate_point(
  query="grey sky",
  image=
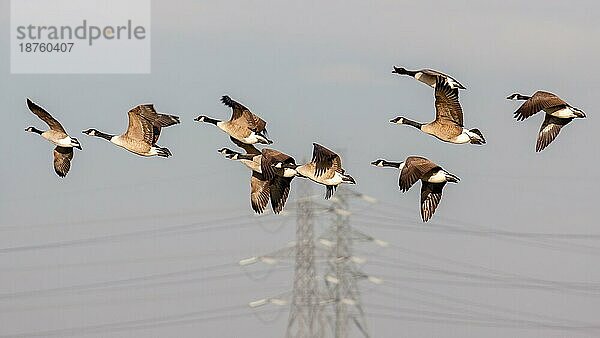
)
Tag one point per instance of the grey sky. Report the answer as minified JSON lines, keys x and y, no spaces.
{"x":317,"y":72}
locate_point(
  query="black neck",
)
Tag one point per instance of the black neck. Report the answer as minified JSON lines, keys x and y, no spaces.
{"x":391,"y":164}
{"x":103,"y":135}
{"x":211,"y":120}
{"x":412,"y":123}
{"x":245,"y":157}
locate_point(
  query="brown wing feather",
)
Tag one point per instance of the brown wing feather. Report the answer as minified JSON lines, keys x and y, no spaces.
{"x":259,"y":193}
{"x":326,"y":161}
{"x":139,"y":128}
{"x":539,"y":101}
{"x":549,"y":131}
{"x":270,"y":157}
{"x":415,"y":167}
{"x":280,"y":189}
{"x":447,"y":105}
{"x":431,"y":195}
{"x":62,"y":160}
{"x":243,"y":115}
{"x":45,"y":116}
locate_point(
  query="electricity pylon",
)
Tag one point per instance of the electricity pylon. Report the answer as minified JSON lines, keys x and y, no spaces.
{"x":343,"y":273}
{"x":305,"y":320}
{"x":308,"y":300}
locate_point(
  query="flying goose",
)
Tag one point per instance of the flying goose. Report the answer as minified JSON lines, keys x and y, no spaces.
{"x":63,"y":152}
{"x":448,"y":123}
{"x":558,"y":114}
{"x":243,"y":125}
{"x":324,"y":168}
{"x":429,"y":77}
{"x":142,"y":132}
{"x":266,"y":183}
{"x":433,"y":178}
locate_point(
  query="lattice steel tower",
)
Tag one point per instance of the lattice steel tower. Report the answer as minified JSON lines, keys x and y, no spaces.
{"x":305,"y":320}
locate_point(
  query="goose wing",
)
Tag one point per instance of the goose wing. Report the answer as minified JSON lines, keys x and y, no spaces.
{"x":326,"y":161}
{"x":158,"y":120}
{"x":244,"y":116}
{"x":431,"y":195}
{"x":280,"y":189}
{"x":539,"y":101}
{"x":549,"y":131}
{"x":270,"y":157}
{"x":415,"y":167}
{"x":140,"y":128}
{"x":447,"y":106}
{"x":259,"y":192}
{"x":250,"y":149}
{"x":62,"y":160}
{"x":45,"y":116}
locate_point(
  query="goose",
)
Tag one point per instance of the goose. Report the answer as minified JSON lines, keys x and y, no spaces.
{"x":243,"y":125}
{"x":142,"y":132}
{"x":63,"y":152}
{"x":266,"y":183}
{"x":433,"y":179}
{"x":448,"y":123}
{"x":325,"y":168}
{"x":558,"y":114}
{"x":429,"y":77}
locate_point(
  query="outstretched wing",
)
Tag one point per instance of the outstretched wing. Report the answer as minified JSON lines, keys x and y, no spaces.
{"x":62,"y":160}
{"x":259,"y":192}
{"x":415,"y":167}
{"x":140,"y":128}
{"x":326,"y":161}
{"x":431,"y":195}
{"x":539,"y":101}
{"x":158,"y":120}
{"x":447,"y":106}
{"x":243,"y":115}
{"x":280,"y":189}
{"x":549,"y":131}
{"x":45,"y":116}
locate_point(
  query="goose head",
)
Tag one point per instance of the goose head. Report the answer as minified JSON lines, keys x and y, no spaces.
{"x":379,"y":163}
{"x":33,"y":130}
{"x":227,"y":152}
{"x":201,"y":118}
{"x":348,"y":179}
{"x":399,"y":70}
{"x":397,"y":120}
{"x":516,"y":96}
{"x":91,"y":132}
{"x":578,"y":113}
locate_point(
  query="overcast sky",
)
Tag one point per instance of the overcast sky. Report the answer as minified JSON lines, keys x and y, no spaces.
{"x":317,"y":72}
